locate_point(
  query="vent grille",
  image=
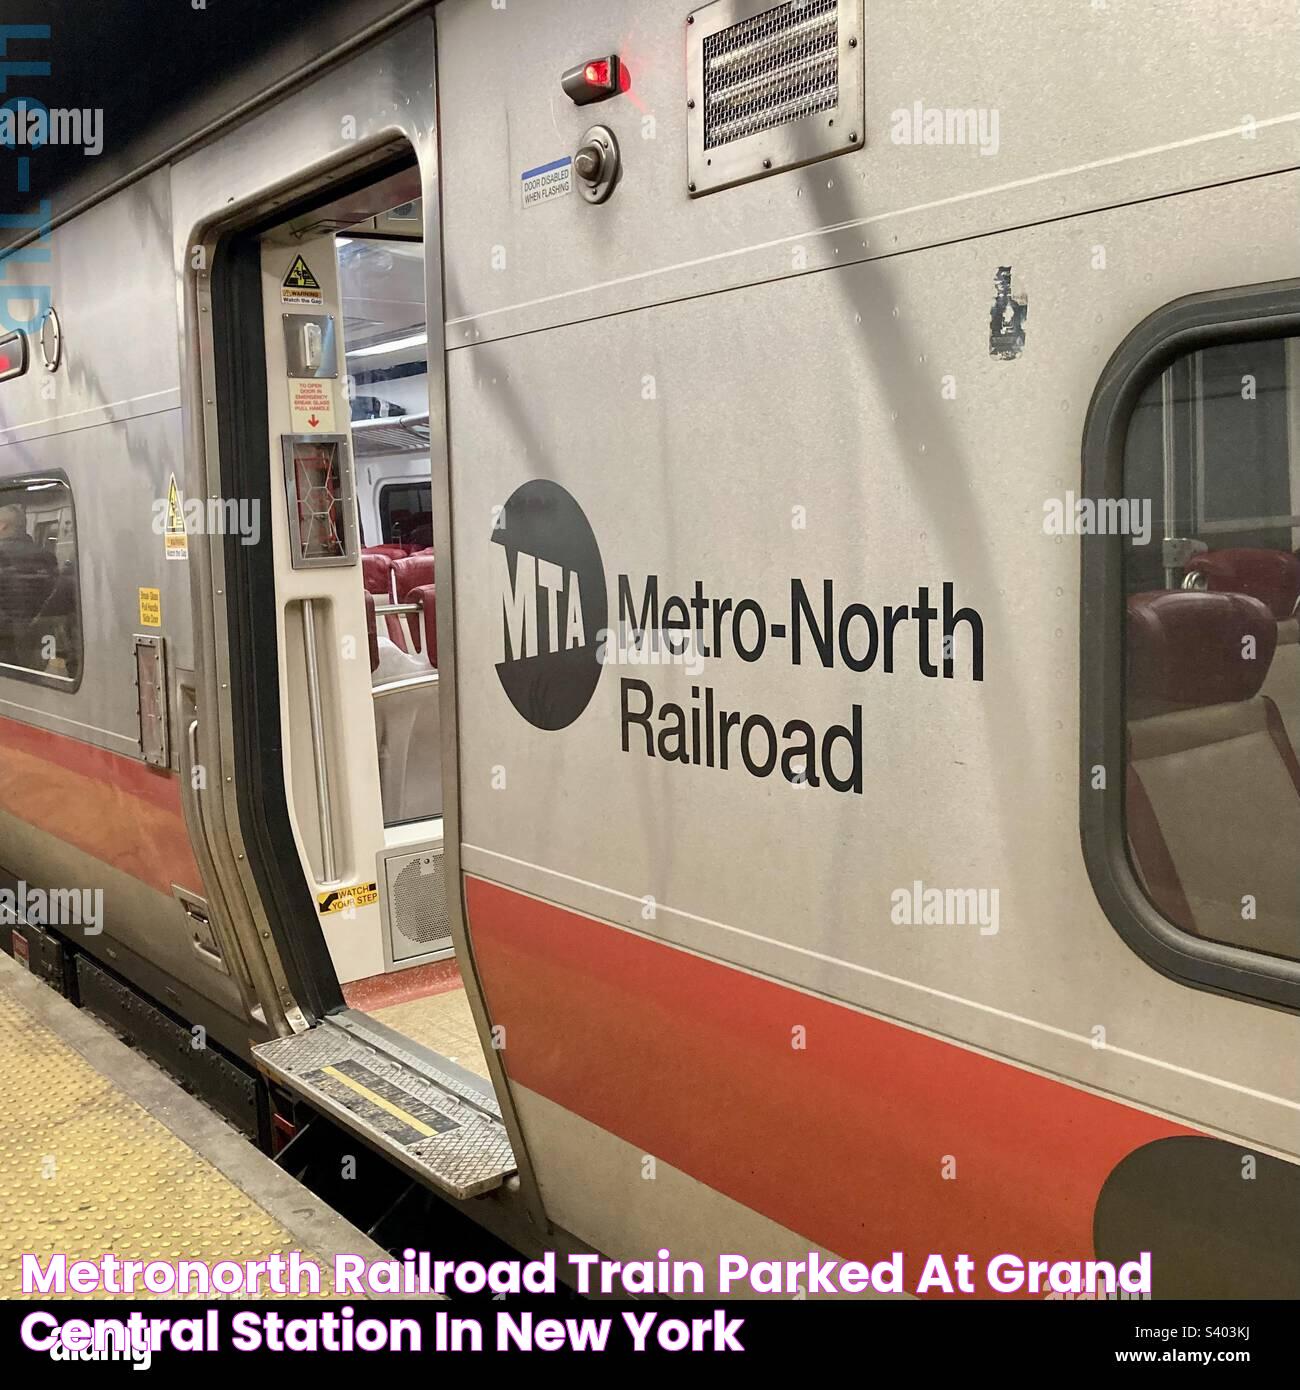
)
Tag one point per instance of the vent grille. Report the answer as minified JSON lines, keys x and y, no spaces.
{"x":771,"y":69}
{"x":417,"y":905}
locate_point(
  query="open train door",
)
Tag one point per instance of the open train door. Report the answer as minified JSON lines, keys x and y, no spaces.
{"x":328,"y":697}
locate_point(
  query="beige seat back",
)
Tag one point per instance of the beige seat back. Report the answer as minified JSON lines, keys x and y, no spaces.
{"x":1213,"y":786}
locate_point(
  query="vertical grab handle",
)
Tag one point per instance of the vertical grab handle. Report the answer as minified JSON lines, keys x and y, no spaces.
{"x":320,"y":758}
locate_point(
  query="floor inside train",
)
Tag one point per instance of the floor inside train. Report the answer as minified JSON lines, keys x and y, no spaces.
{"x":427,"y":1004}
{"x":100,"y":1150}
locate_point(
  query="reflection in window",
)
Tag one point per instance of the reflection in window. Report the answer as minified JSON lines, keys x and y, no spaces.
{"x":40,"y":623}
{"x":1212,"y":689}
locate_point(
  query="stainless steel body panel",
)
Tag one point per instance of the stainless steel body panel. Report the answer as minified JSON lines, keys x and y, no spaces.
{"x":1118,"y":104}
{"x":825,"y":393}
{"x":109,"y":420}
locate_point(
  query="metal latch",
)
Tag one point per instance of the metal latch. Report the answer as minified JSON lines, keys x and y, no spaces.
{"x":597,"y":164}
{"x":202,"y":937}
{"x":1177,"y":551}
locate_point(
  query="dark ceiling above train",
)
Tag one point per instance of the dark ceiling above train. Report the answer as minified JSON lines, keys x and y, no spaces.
{"x":146,"y":74}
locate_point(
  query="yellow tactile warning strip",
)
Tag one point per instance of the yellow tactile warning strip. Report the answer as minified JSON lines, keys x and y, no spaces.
{"x":84,"y":1169}
{"x":441,"y":1022}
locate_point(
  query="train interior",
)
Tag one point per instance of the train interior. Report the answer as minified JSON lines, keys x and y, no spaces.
{"x":345,"y":305}
{"x":1213,"y":642}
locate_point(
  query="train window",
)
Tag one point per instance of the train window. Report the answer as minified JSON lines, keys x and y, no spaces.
{"x":40,"y":608}
{"x":406,"y":513}
{"x":1198,"y":454}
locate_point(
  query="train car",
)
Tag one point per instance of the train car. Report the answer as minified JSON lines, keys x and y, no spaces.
{"x":684,"y":617}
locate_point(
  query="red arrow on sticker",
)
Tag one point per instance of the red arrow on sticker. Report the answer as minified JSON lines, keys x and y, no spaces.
{"x":313,"y":422}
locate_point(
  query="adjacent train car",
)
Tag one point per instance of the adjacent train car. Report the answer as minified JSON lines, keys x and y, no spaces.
{"x":686,"y":620}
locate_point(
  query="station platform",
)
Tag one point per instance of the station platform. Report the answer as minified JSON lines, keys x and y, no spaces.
{"x":101,"y":1151}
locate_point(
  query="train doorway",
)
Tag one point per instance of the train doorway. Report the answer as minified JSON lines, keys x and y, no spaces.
{"x":321,"y":318}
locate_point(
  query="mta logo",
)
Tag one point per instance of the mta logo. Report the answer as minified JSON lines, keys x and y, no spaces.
{"x":550,"y":604}
{"x":540,"y":598}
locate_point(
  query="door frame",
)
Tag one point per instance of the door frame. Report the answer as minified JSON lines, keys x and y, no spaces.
{"x":343,"y":129}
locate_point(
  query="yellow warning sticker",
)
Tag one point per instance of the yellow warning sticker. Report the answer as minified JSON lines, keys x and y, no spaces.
{"x":347,"y":899}
{"x":300,"y":286}
{"x":176,"y":543}
{"x":150,"y":608}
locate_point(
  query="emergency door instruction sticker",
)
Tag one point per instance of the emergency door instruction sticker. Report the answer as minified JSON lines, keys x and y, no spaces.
{"x":176,"y":544}
{"x":300,"y":286}
{"x":150,"y":607}
{"x":347,"y":899}
{"x":311,"y":406}
{"x":547,"y":181}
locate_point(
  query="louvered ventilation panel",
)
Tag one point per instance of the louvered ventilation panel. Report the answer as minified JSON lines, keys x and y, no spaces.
{"x":771,"y":87}
{"x":415,"y":904}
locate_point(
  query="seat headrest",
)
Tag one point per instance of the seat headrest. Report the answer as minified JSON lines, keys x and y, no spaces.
{"x":411,"y":573}
{"x":1272,"y":576}
{"x":375,"y":570}
{"x":1187,"y":649}
{"x":424,"y":595}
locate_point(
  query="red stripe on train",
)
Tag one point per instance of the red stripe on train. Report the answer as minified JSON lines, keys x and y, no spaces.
{"x":117,"y":809}
{"x":844,"y":1142}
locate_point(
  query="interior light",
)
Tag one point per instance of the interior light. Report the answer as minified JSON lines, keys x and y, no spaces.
{"x":392,"y":345}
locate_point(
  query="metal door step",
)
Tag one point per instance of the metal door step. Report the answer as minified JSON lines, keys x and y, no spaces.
{"x":441,"y":1125}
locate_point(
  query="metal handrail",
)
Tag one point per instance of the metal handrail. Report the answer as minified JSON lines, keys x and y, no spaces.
{"x":405,"y":683}
{"x":316,"y":717}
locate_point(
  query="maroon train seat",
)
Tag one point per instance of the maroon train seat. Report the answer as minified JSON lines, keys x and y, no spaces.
{"x":410,"y":574}
{"x":1273,"y":577}
{"x":377,"y":573}
{"x":1213,"y":783}
{"x":372,"y":635}
{"x":424,"y":595}
{"x":377,"y":578}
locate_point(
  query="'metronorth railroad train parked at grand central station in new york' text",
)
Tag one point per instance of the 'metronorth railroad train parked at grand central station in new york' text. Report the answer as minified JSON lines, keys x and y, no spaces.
{"x":687,"y":620}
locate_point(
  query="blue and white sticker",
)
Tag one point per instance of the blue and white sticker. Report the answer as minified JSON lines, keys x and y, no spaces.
{"x":547,"y":181}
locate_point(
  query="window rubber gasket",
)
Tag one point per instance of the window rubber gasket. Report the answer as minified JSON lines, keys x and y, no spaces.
{"x":1243,"y":314}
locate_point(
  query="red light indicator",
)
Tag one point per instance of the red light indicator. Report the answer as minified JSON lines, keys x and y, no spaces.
{"x":593,"y":80}
{"x":5,"y":364}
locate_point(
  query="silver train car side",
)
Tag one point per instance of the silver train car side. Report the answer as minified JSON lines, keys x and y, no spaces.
{"x":686,"y":619}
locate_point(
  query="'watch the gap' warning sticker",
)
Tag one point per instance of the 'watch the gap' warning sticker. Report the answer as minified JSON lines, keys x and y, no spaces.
{"x":176,"y":543}
{"x":300,"y":286}
{"x":347,"y":899}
